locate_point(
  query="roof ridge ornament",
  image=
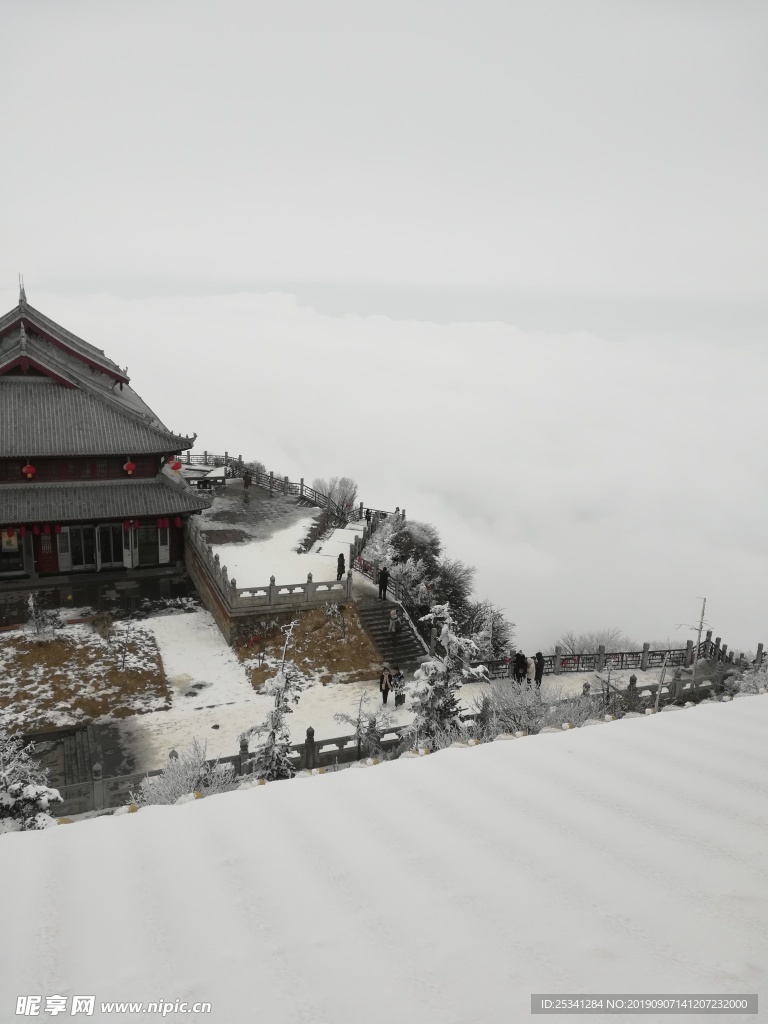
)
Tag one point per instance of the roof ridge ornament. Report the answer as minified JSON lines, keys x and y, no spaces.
{"x":22,"y":293}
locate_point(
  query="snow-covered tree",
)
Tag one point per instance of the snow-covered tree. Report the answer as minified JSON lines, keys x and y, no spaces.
{"x":611,"y":637}
{"x":412,"y":577}
{"x":379,"y":546}
{"x":185,"y":773}
{"x":271,"y":758}
{"x":418,"y":541}
{"x":453,"y":584}
{"x":25,"y":797}
{"x":489,"y":629}
{"x":340,"y":489}
{"x":368,"y":727}
{"x":435,"y":701}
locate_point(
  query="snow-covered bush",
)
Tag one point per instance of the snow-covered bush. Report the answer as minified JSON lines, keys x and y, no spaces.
{"x":186,"y":773}
{"x":25,"y":797}
{"x":752,"y":681}
{"x":43,"y":621}
{"x":509,"y":707}
{"x":368,"y":728}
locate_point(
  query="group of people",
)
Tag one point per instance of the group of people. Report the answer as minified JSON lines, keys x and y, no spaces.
{"x":392,"y":680}
{"x":528,"y":670}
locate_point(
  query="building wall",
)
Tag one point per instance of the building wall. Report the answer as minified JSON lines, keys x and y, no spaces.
{"x":80,"y":468}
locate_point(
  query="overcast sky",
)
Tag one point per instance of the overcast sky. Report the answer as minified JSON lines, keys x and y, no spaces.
{"x":581,"y":183}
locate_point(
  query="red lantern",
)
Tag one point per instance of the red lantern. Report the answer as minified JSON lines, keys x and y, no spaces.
{"x":129,"y":467}
{"x":176,"y":466}
{"x":57,"y":528}
{"x":126,"y":524}
{"x":10,"y":531}
{"x":36,"y":530}
{"x":28,"y":471}
{"x":47,"y":529}
{"x":22,"y":531}
{"x":178,"y":521}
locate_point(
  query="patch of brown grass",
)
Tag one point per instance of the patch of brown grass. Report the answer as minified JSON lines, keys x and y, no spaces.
{"x":78,"y":676}
{"x":318,"y":647}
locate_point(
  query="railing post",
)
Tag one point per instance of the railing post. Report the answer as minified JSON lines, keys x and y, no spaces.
{"x":716,"y":652}
{"x":310,"y":588}
{"x":644,"y":657}
{"x":98,"y":787}
{"x":226,"y":463}
{"x":362,"y":514}
{"x":310,"y":752}
{"x":349,"y":585}
{"x":271,"y":481}
{"x":730,"y":656}
{"x":707,"y":644}
{"x":205,"y":456}
{"x":189,"y":456}
{"x":272,"y":591}
{"x":403,"y":515}
{"x":301,"y":488}
{"x":558,"y":667}
{"x":759,"y":656}
{"x":243,"y":759}
{"x":601,"y":657}
{"x":433,"y":641}
{"x":285,"y":485}
{"x":688,"y":660}
{"x":724,"y":652}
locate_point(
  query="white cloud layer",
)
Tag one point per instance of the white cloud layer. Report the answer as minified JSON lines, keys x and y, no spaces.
{"x":591,"y":482}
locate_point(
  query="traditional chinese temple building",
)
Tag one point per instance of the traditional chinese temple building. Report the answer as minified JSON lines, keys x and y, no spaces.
{"x":89,"y":476}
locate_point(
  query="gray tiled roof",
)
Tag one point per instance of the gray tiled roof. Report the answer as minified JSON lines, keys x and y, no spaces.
{"x":37,"y":319}
{"x":68,"y":503}
{"x":39,"y":417}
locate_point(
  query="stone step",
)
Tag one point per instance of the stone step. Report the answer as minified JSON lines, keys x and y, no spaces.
{"x":404,"y":648}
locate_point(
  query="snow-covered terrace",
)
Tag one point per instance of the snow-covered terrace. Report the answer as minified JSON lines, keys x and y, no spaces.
{"x":628,"y":857}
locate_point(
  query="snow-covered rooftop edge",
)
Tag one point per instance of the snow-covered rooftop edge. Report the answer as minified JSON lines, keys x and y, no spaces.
{"x":630,"y":857}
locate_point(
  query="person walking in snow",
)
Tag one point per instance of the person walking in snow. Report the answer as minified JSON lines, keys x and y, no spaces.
{"x":247,"y":480}
{"x":368,"y":516}
{"x":393,"y":617}
{"x":385,"y":684}
{"x":530,"y":670}
{"x":539,"y":669}
{"x":519,"y":667}
{"x":340,"y":567}
{"x":383,"y":583}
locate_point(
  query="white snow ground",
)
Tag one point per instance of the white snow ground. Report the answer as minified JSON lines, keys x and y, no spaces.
{"x":252,"y":562}
{"x":629,"y":858}
{"x":195,"y":652}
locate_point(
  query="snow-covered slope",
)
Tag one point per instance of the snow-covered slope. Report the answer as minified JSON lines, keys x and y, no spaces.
{"x":630,"y":857}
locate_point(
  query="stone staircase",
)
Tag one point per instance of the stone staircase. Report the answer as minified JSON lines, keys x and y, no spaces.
{"x":405,"y":649}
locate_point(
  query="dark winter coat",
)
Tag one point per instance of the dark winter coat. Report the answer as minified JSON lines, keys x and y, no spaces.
{"x":384,"y":578}
{"x":520,"y":665}
{"x":340,"y":565}
{"x":385,"y":681}
{"x":539,"y":667}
